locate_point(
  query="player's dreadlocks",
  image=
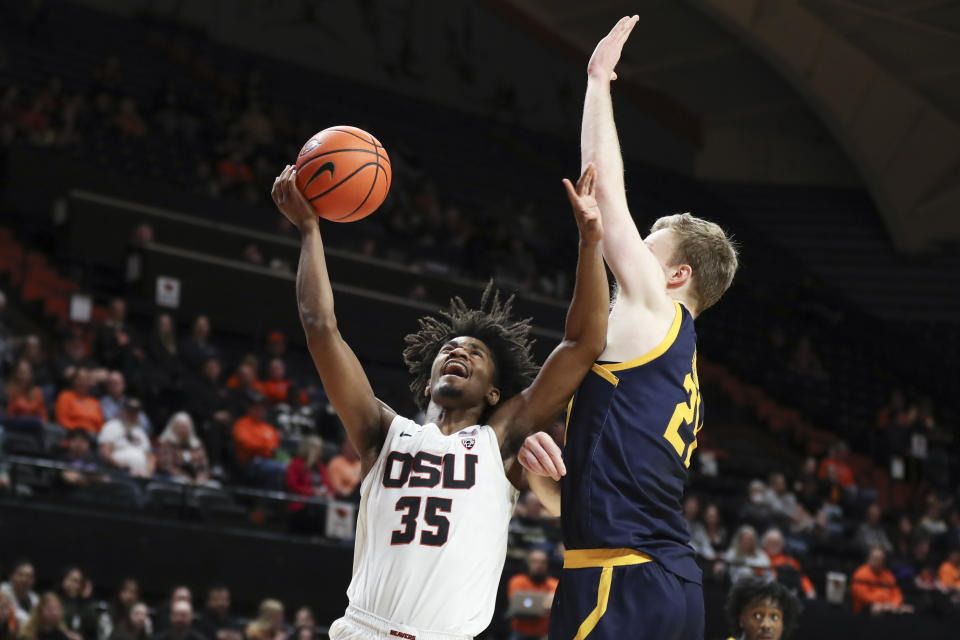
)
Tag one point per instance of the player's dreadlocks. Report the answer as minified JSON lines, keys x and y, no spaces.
{"x":508,"y":340}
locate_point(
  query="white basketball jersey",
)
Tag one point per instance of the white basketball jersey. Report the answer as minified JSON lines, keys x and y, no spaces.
{"x":432,"y":529}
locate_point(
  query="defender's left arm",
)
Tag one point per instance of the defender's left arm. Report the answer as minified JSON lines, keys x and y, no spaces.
{"x":584,"y":337}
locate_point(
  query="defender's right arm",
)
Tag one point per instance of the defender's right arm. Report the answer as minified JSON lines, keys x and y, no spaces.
{"x":637,"y":271}
{"x":365,"y":418}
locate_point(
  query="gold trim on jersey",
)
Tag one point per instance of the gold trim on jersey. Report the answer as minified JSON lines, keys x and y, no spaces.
{"x":603,"y":373}
{"x":657,"y":351}
{"x":584,"y":558}
{"x":566,"y":424}
{"x":607,"y":559}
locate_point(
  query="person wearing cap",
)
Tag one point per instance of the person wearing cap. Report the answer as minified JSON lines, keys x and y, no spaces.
{"x":124,"y":444}
{"x":256,"y":441}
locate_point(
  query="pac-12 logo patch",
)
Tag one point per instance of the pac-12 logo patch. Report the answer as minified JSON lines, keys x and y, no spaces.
{"x":468,"y":438}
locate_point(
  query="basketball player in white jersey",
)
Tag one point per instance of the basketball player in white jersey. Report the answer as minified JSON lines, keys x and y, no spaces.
{"x":435,"y":499}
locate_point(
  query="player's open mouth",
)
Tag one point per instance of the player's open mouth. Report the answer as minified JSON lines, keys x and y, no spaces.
{"x":454,"y":368}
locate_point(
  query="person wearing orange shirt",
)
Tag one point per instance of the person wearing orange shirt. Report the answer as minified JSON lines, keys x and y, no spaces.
{"x":76,"y":408}
{"x":535,"y":580}
{"x":873,"y":586}
{"x":256,"y":442}
{"x":24,"y":398}
{"x":949,"y":572}
{"x":276,"y":386}
{"x":344,"y":471}
{"x":835,"y":467}
{"x":784,"y":564}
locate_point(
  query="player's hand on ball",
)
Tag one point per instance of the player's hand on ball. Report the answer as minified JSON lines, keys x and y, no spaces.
{"x":607,"y":54}
{"x":291,"y":202}
{"x":541,"y":455}
{"x":584,"y":204}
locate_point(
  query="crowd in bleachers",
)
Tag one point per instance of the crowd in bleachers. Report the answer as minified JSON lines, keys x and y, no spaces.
{"x":71,"y":609}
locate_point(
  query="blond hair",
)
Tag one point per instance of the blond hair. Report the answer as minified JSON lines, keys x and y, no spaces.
{"x":706,"y":248}
{"x":32,"y":628}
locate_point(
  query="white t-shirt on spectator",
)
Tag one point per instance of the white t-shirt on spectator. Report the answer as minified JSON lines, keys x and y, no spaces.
{"x":131,"y":447}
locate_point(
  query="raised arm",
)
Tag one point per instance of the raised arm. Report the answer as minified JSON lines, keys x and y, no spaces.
{"x":583,"y":339}
{"x":364,"y":417}
{"x":637,"y":271}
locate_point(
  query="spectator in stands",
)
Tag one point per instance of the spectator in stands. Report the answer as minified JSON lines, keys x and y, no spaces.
{"x":205,"y":397}
{"x":24,"y":398}
{"x":699,"y":539}
{"x":79,"y":613}
{"x":756,"y":511}
{"x":46,"y":621}
{"x":713,"y":525}
{"x":787,"y":569}
{"x":779,"y":498}
{"x":76,"y":408}
{"x":759,"y":609}
{"x":184,"y":451}
{"x":745,"y":557}
{"x":20,"y":589}
{"x":873,"y":586}
{"x":135,"y":626}
{"x":121,"y":606}
{"x":276,"y":347}
{"x":216,"y":622}
{"x":162,"y":348}
{"x":256,"y":441}
{"x":8,"y":619}
{"x":128,"y":120}
{"x":949,"y":572}
{"x":241,"y":384}
{"x":835,"y":466}
{"x":536,"y":582}
{"x":276,"y":386}
{"x":197,"y":348}
{"x":116,"y":341}
{"x":294,"y":418}
{"x":952,"y":537}
{"x":163,"y":615}
{"x":181,"y":623}
{"x":306,"y":473}
{"x":125,"y":445}
{"x":111,"y":404}
{"x":42,"y":373}
{"x":932,"y":523}
{"x":871,"y":533}
{"x":84,"y":467}
{"x":304,"y":625}
{"x":270,"y":616}
{"x":344,"y":471}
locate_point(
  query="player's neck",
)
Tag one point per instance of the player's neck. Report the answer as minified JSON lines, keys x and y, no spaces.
{"x":452,"y":419}
{"x":681,"y":296}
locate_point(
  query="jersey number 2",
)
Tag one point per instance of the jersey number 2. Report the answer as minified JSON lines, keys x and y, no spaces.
{"x":686,"y":413}
{"x":410,"y":505}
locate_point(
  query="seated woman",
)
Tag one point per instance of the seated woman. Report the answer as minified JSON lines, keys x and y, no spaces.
{"x":24,"y":398}
{"x":180,"y":453}
{"x":307,"y":476}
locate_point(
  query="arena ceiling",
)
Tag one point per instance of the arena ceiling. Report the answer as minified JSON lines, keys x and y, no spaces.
{"x":835,"y":91}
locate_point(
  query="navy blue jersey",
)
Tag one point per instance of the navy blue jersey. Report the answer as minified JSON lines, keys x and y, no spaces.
{"x":631,"y":429}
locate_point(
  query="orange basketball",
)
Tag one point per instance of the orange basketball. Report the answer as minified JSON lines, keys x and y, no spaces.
{"x":344,"y":172}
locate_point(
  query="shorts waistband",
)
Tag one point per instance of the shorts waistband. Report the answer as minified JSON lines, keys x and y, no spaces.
{"x":583,"y":558}
{"x":395,"y":631}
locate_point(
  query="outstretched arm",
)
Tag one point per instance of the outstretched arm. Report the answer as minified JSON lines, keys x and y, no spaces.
{"x":583,"y":339}
{"x":364,"y":417}
{"x":637,"y":271}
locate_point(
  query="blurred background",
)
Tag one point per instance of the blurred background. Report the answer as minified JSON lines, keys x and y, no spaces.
{"x":148,"y":328}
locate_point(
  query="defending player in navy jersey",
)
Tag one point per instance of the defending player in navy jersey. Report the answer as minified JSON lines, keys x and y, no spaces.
{"x":435,"y":498}
{"x":632,"y":425}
